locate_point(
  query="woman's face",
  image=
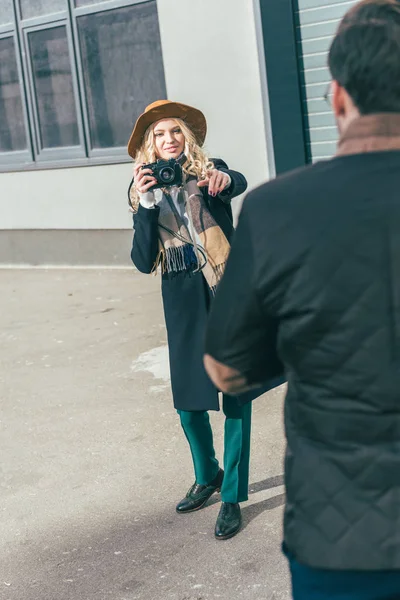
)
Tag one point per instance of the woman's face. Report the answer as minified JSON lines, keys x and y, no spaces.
{"x":169,"y":139}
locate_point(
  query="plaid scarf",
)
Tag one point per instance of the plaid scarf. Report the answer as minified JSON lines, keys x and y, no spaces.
{"x":198,"y":245}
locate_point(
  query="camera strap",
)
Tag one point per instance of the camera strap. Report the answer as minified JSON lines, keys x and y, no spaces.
{"x":129,"y":192}
{"x":191,"y":226}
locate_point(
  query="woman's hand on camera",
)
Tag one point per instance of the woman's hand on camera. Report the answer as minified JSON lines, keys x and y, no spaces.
{"x":143,"y":179}
{"x":216,"y":181}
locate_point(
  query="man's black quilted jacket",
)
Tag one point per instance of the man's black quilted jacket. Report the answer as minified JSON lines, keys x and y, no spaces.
{"x":331,"y":277}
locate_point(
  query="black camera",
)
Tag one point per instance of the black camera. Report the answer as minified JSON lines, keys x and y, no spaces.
{"x":167,"y":173}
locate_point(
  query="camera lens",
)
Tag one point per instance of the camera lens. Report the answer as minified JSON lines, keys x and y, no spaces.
{"x":167,"y":174}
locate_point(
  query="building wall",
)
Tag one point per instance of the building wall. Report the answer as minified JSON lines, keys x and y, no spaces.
{"x":81,"y":198}
{"x":211,"y":61}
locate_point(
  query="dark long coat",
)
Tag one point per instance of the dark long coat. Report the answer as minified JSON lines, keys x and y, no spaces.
{"x":187,"y":300}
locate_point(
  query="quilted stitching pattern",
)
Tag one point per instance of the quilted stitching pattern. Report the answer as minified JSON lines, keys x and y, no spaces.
{"x":339,"y":337}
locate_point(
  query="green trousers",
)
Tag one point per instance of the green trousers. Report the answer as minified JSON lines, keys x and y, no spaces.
{"x":197,"y":428}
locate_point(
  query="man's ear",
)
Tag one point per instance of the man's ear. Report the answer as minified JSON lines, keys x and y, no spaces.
{"x":343,"y":107}
{"x":339,"y":99}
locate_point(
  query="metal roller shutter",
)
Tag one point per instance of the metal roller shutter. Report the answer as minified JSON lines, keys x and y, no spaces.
{"x":316,"y":23}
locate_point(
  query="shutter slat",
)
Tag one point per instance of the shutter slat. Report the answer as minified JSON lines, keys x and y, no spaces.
{"x":331,"y":12}
{"x":307,"y":4}
{"x":310,"y":32}
{"x":321,"y":120}
{"x":317,"y":76}
{"x":323,"y":134}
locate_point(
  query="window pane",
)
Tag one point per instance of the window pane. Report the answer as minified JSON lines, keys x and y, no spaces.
{"x":39,"y":8}
{"x":6,"y":12}
{"x":51,"y":68}
{"x":123,"y":69}
{"x":12,"y":127}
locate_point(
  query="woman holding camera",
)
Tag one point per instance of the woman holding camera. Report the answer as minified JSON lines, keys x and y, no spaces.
{"x":185,"y":228}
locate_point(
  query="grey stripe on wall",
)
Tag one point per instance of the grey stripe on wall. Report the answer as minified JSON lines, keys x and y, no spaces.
{"x":317,"y":22}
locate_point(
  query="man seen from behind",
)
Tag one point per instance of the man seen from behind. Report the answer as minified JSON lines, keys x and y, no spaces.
{"x":312,"y":289}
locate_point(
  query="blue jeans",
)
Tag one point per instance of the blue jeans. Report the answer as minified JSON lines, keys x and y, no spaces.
{"x":320,"y":584}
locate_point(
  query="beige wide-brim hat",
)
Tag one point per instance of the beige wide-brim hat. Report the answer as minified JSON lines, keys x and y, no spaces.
{"x":165,"y":109}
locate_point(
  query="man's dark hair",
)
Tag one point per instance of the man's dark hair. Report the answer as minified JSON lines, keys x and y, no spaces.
{"x":365,"y":56}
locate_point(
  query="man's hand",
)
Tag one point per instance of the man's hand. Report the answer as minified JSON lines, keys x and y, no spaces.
{"x":228,"y":380}
{"x":217,"y":182}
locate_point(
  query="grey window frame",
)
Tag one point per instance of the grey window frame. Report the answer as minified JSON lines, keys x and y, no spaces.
{"x":68,"y":152}
{"x":17,"y":157}
{"x":83,"y":155}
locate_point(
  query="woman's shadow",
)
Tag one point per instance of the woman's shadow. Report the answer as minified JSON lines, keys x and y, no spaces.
{"x":251,"y":512}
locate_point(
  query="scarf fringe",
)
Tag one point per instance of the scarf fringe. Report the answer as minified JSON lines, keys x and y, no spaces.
{"x":183,"y":259}
{"x":219,"y":271}
{"x":179,"y":259}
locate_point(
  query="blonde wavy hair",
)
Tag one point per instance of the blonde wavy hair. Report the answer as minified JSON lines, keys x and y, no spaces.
{"x":197,"y":164}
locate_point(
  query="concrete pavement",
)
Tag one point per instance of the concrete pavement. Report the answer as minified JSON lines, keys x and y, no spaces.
{"x":93,"y":459}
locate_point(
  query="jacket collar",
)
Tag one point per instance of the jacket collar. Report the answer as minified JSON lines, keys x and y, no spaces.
{"x":371,"y":133}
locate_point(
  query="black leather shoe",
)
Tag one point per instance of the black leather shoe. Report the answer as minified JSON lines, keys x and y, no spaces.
{"x":198,"y":495}
{"x":229,"y":521}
